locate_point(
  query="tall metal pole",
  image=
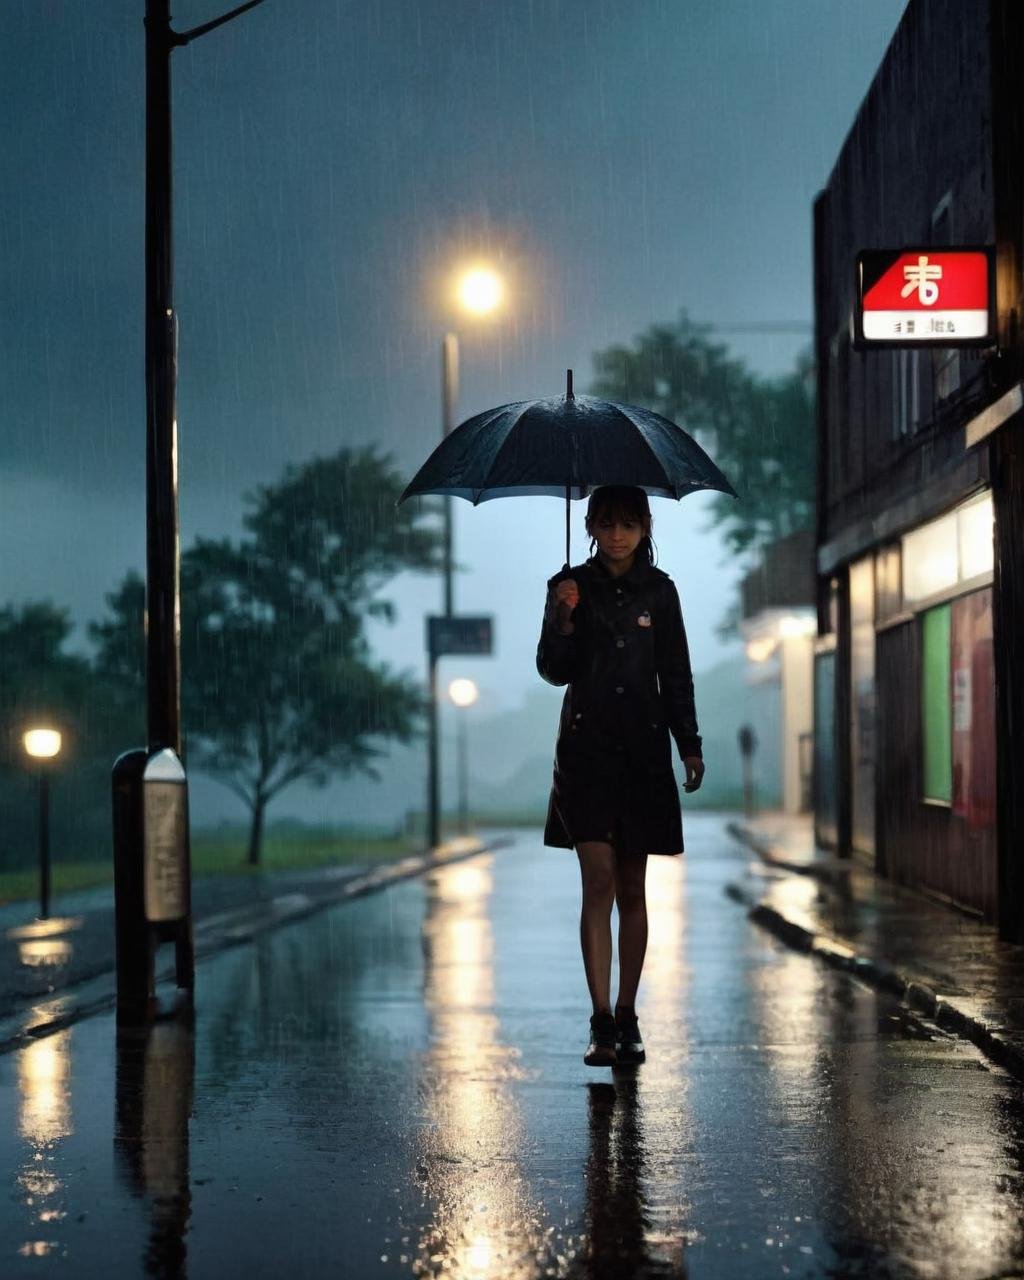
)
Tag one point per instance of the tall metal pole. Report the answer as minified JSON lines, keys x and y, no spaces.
{"x":163,"y":606}
{"x":140,"y":848}
{"x":163,"y":609}
{"x":449,"y":399}
{"x":433,"y":770}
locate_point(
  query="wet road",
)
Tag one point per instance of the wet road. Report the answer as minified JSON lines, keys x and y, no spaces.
{"x":395,"y":1087}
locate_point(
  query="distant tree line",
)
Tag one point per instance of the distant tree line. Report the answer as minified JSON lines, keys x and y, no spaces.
{"x":760,"y":431}
{"x":278,"y":681}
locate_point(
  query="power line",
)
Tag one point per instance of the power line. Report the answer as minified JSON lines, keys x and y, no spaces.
{"x":803,"y":327}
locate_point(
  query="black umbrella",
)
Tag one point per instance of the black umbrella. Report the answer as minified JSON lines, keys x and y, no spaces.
{"x":565,"y":447}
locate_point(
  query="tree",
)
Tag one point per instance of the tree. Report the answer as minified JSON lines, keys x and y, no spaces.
{"x":278,"y":681}
{"x":760,"y":431}
{"x":43,"y":684}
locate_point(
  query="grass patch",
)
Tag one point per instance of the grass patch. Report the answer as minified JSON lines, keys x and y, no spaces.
{"x":223,"y":852}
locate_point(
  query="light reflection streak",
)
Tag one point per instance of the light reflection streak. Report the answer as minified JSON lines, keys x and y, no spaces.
{"x":44,"y":953}
{"x":485,"y":1221}
{"x":44,"y":1120}
{"x":40,"y":942}
{"x":658,"y":1120}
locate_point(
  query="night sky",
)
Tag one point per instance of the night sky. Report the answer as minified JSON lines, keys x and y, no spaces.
{"x":334,"y":163}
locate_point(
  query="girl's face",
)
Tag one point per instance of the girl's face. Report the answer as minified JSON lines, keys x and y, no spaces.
{"x":617,"y":535}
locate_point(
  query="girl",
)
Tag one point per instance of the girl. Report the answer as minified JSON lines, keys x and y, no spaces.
{"x":613,"y":633}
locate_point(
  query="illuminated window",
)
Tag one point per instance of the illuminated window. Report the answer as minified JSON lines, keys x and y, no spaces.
{"x":974,"y":530}
{"x":930,"y":559}
{"x":953,"y":549}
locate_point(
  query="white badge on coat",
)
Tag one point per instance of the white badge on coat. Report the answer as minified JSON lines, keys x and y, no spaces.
{"x":644,"y":620}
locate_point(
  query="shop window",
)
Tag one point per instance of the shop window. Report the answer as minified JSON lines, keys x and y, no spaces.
{"x":824,"y":744}
{"x":931,"y":559}
{"x":862,"y":703}
{"x":975,"y":537}
{"x":936,"y":727}
{"x":888,"y":587}
{"x":974,"y":719}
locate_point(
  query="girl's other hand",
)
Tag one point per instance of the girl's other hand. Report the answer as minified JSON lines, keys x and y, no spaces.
{"x":567,"y":597}
{"x":694,"y":772}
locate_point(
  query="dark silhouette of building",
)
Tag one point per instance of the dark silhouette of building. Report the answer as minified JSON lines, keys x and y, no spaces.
{"x":921,"y":479}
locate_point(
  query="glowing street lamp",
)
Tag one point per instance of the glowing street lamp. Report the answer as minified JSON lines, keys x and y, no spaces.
{"x":43,"y":745}
{"x":480,"y":291}
{"x":463,"y":694}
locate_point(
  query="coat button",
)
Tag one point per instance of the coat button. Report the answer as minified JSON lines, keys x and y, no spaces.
{"x":579,"y":715}
{"x":619,"y":689}
{"x":620,"y":644}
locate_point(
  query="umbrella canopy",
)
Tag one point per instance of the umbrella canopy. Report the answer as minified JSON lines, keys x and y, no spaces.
{"x":565,"y":447}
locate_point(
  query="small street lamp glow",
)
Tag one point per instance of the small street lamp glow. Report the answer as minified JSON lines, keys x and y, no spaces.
{"x":463,"y":692}
{"x":43,"y":744}
{"x":481,"y":290}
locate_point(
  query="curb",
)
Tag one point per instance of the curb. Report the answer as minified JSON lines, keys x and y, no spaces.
{"x":945,"y":1011}
{"x":229,"y":929}
{"x":828,"y":871}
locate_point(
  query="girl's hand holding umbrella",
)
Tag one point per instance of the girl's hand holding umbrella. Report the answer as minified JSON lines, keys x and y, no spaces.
{"x":567,"y":597}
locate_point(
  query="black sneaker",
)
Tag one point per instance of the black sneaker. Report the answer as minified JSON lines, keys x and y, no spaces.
{"x":628,"y":1045}
{"x":601,"y":1050}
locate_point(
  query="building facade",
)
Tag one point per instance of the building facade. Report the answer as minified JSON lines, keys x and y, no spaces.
{"x":919,"y":593}
{"x":777,"y":624}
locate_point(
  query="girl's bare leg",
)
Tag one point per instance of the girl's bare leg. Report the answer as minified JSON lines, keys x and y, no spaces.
{"x":597,"y":867}
{"x":631,"y":898}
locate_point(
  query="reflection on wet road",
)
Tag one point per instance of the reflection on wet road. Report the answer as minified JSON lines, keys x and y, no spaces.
{"x":395,"y":1087}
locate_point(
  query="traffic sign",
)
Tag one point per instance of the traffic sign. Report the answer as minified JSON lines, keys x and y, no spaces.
{"x":464,"y":634}
{"x":925,"y":296}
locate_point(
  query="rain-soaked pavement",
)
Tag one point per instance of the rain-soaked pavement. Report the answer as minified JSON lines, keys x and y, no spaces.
{"x":395,"y":1087}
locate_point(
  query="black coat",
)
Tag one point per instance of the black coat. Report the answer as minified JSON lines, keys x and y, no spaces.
{"x":630,"y":691}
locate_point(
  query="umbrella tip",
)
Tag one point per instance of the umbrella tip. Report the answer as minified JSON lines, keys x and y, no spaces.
{"x":568,"y":385}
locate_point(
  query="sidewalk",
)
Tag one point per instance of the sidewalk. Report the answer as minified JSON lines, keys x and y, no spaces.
{"x":55,"y":971}
{"x":395,"y":1087}
{"x":946,"y":965}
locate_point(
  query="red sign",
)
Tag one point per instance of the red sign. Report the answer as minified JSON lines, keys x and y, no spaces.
{"x":941,"y":297}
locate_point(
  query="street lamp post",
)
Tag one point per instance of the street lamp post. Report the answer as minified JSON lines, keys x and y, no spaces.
{"x":449,"y":399}
{"x":43,"y":745}
{"x":479,"y":292}
{"x":163,"y":598}
{"x":463,"y":694}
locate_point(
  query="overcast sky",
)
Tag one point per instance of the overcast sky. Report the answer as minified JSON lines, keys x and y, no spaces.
{"x":620,"y":159}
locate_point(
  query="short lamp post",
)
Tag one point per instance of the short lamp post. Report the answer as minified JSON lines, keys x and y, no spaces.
{"x":463,"y":694}
{"x":43,"y":745}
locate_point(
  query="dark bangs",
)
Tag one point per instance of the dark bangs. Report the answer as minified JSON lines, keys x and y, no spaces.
{"x":618,"y":501}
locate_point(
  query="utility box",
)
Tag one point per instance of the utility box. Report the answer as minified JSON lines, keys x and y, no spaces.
{"x":152,"y":872}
